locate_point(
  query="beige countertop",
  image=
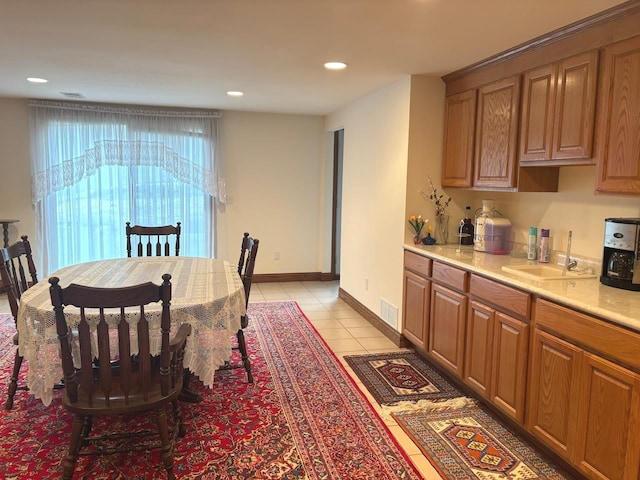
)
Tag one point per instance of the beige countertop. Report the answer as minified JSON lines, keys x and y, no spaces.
{"x":586,"y":294}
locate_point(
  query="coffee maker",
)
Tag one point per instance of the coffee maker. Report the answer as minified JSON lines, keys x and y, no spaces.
{"x":621,"y":255}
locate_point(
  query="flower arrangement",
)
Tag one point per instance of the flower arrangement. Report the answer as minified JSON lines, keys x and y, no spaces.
{"x":435,"y":198}
{"x":417,"y":224}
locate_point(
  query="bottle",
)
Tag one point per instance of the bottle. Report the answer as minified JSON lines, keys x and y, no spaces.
{"x":545,"y":251}
{"x":466,"y":229}
{"x":532,"y":244}
{"x":480,"y":239}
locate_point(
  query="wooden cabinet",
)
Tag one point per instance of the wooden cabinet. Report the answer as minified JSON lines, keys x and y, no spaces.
{"x":583,"y":406}
{"x":607,"y":443}
{"x":459,"y":135}
{"x":447,"y":318}
{"x":497,"y":134}
{"x":481,"y":141}
{"x":552,"y":406}
{"x":618,"y":169}
{"x":510,"y":354}
{"x":416,"y":299}
{"x":446,"y":332}
{"x":479,"y":347}
{"x":496,"y":348}
{"x":558,"y":112}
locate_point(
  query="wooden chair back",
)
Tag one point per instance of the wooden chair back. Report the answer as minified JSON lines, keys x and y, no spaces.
{"x":119,"y":380}
{"x":127,"y":379}
{"x":17,"y":271}
{"x":153,"y":240}
{"x":244,"y":246}
{"x":247,"y":273}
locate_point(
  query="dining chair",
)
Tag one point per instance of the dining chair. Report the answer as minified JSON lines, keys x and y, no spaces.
{"x":150,"y":240}
{"x":122,"y":378}
{"x":14,"y":259}
{"x":246,"y":263}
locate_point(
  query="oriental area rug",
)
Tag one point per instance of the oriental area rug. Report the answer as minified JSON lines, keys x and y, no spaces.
{"x":400,"y":377}
{"x":469,"y":443}
{"x":459,"y":437}
{"x":303,"y":418}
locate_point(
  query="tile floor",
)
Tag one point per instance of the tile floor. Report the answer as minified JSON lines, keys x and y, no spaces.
{"x":344,"y":330}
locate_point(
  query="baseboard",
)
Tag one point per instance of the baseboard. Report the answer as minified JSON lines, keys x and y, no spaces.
{"x":389,"y":332}
{"x":294,"y":277}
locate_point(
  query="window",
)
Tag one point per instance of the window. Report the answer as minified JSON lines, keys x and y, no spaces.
{"x":96,"y":167}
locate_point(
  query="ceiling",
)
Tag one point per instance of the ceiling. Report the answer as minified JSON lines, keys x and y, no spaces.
{"x":189,"y":53}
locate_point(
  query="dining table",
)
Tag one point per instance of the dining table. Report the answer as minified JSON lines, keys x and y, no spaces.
{"x":206,"y":293}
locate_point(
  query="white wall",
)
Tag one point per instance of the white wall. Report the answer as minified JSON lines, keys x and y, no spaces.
{"x":15,"y":184}
{"x":376,"y":132}
{"x":275,"y":173}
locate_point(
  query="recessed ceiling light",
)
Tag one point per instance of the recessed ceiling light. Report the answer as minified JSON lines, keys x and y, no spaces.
{"x":37,"y":80}
{"x":233,"y":93}
{"x":335,"y":65}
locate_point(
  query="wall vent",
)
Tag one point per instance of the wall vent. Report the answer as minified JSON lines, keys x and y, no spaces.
{"x":389,"y":313}
{"x":72,"y":95}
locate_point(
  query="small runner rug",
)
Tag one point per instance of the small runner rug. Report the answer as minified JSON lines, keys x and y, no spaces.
{"x":401,"y":377}
{"x":468,"y":443}
{"x":303,"y":418}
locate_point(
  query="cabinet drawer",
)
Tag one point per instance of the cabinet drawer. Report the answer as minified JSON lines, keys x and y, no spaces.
{"x":593,"y":334}
{"x":450,"y":276}
{"x":506,"y":298}
{"x":417,"y":263}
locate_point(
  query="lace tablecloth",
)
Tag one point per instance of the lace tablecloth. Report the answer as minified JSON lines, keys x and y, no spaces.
{"x":206,"y":293}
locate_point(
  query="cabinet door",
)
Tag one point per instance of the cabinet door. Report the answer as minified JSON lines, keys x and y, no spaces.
{"x":416,"y":308}
{"x":479,"y":347}
{"x":446,"y":327}
{"x":575,"y":107}
{"x":552,"y":400}
{"x":497,"y":134}
{"x":619,"y":123}
{"x":538,"y":100}
{"x":608,"y":445}
{"x":459,"y":133}
{"x":510,"y":353}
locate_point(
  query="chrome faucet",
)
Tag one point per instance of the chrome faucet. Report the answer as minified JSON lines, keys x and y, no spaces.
{"x":568,"y":263}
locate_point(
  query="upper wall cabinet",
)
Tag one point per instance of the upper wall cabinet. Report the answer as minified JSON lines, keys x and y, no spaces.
{"x":497,"y":134}
{"x":619,"y":120}
{"x":481,"y":141}
{"x":459,"y":134}
{"x":579,"y":104}
{"x":558,"y":112}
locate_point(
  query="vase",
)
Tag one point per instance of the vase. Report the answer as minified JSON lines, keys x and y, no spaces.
{"x":416,"y":239}
{"x":442,"y":228}
{"x":428,"y":240}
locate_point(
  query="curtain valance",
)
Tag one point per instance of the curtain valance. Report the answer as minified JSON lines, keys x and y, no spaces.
{"x":70,"y":141}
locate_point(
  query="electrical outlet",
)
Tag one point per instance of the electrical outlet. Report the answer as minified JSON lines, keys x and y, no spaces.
{"x":366,"y":284}
{"x":276,"y":255}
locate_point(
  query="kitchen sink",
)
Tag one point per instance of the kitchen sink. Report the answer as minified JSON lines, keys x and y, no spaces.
{"x":546,"y":272}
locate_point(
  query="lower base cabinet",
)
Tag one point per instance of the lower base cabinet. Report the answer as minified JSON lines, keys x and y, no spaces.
{"x":446,"y":328}
{"x":496,"y":358}
{"x":572,"y":380}
{"x":509,"y":377}
{"x":585,"y":408}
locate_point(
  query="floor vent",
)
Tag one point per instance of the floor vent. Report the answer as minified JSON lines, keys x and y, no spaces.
{"x":389,"y":313}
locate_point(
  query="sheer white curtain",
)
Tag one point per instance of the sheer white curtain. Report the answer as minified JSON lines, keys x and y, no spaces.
{"x":95,"y":167}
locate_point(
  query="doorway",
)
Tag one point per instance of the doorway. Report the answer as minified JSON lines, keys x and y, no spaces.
{"x":338,"y":148}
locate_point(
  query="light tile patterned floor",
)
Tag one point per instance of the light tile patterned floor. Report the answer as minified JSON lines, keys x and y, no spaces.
{"x":344,"y":330}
